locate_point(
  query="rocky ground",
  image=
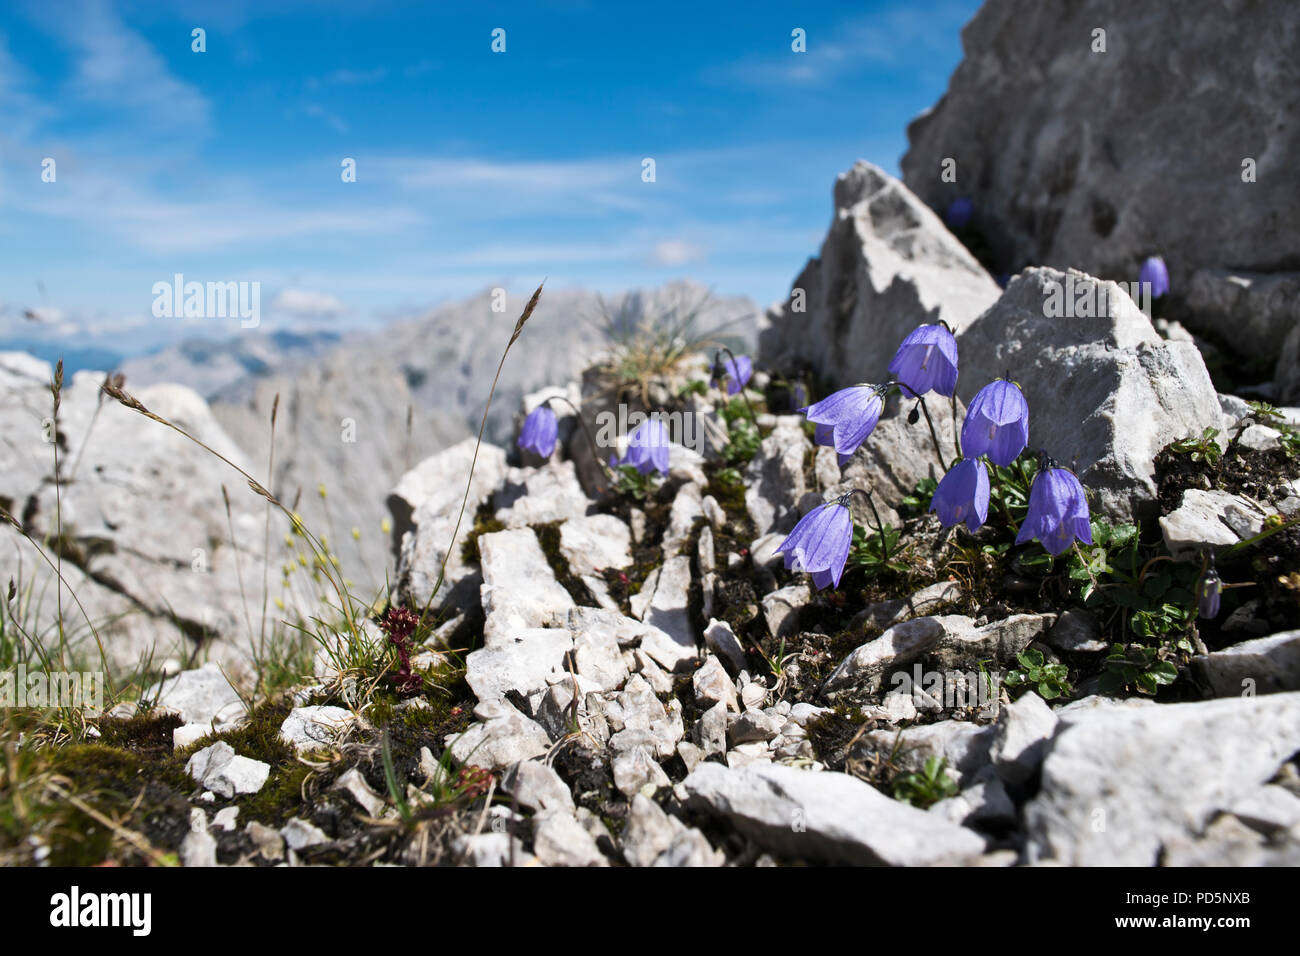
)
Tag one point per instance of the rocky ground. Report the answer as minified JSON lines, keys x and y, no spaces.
{"x":586,"y":667}
{"x":625,"y":674}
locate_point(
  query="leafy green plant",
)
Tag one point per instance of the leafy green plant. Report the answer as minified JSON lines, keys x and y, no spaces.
{"x":918,"y":501}
{"x":629,"y":481}
{"x":874,"y":552}
{"x":1202,"y":448}
{"x":1035,"y":672}
{"x":928,"y":787}
{"x":1136,"y":667}
{"x":1155,"y":594}
{"x":745,"y":439}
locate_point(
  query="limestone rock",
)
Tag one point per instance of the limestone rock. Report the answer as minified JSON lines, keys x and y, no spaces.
{"x":886,"y":266}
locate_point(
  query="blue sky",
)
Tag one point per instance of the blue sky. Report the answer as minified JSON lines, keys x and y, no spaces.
{"x":474,"y":168}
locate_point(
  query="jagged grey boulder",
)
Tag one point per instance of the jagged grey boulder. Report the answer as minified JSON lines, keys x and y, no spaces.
{"x":519,"y":589}
{"x":537,"y":787}
{"x":219,"y":769}
{"x":1020,"y":738}
{"x":667,"y":610}
{"x":532,"y":496}
{"x":1265,"y":665}
{"x":964,"y":747}
{"x":1214,"y":519}
{"x":519,"y":660}
{"x":201,"y":696}
{"x":825,"y":816}
{"x":774,"y":480}
{"x":595,"y":542}
{"x":506,"y":737}
{"x":1119,"y":783}
{"x":153,"y":557}
{"x":1104,"y":389}
{"x":425,"y":506}
{"x":886,"y":266}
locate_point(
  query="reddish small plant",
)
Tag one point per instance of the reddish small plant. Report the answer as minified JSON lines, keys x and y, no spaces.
{"x":399,"y":624}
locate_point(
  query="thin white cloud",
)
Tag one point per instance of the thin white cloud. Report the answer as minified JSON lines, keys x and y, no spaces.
{"x":676,"y":252}
{"x":307,"y":303}
{"x":117,"y":68}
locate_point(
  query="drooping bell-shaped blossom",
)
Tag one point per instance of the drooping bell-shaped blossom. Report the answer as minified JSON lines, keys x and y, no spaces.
{"x":850,"y":414}
{"x":734,"y":374}
{"x":824,"y":435}
{"x":963,"y":495}
{"x":1058,"y":511}
{"x":539,"y":431}
{"x":997,"y":423}
{"x":959,"y":212}
{"x":647,"y":447}
{"x":927,"y":360}
{"x":1209,"y":591}
{"x":819,"y":544}
{"x":1155,"y":272}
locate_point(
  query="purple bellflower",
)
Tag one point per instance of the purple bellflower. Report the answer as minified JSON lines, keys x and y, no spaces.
{"x":963,"y":495}
{"x":997,"y":423}
{"x":539,"y":431}
{"x":819,"y":544}
{"x":848,"y":417}
{"x":647,"y":447}
{"x":1155,"y":272}
{"x":1058,"y":511}
{"x":1209,"y":591}
{"x":927,"y":360}
{"x":959,"y":212}
{"x":733,"y":375}
{"x":825,"y":435}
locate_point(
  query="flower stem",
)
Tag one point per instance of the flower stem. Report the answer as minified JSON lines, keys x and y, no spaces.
{"x":880,"y":525}
{"x":934,"y":435}
{"x":595,"y":450}
{"x":736,"y":365}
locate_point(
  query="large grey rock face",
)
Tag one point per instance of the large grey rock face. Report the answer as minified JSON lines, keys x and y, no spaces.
{"x":1287,"y":374}
{"x":341,"y":424}
{"x":886,"y":266}
{"x":1118,"y":783}
{"x":1103,"y":388}
{"x":160,"y":569}
{"x":1095,"y":160}
{"x":826,"y":816}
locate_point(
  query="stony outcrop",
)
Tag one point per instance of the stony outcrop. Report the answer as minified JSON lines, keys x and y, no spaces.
{"x":887,"y":265}
{"x":1105,"y":391}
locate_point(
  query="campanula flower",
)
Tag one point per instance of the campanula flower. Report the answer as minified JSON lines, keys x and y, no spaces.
{"x":959,"y":212}
{"x":997,"y":423}
{"x":819,"y":544}
{"x":1058,"y":511}
{"x":963,"y":495}
{"x":824,"y":435}
{"x":734,"y":375}
{"x":1155,"y":272}
{"x":647,"y":447}
{"x":539,"y":431}
{"x":850,"y":414}
{"x":1209,"y":590}
{"x":927,"y":360}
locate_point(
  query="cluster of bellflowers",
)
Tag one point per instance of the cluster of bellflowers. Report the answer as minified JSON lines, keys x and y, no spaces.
{"x":996,"y":429}
{"x":647,"y":446}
